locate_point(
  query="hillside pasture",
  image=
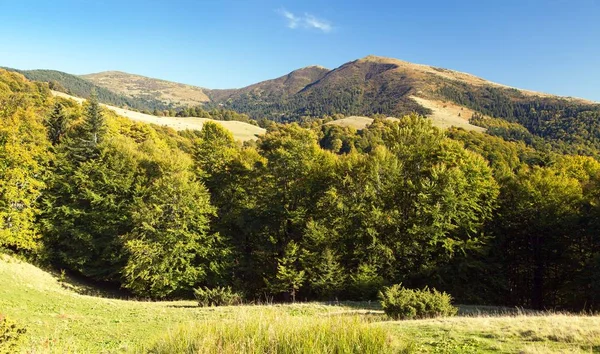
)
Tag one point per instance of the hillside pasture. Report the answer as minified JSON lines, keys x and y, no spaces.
{"x":240,"y":130}
{"x":59,"y":319}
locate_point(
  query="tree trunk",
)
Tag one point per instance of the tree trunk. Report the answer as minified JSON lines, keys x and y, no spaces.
{"x":537,"y":298}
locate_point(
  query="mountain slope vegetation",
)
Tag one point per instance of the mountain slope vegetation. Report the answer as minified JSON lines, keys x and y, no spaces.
{"x":61,"y":315}
{"x":314,"y":211}
{"x":366,"y":87}
{"x":76,"y":86}
{"x":141,"y":87}
{"x":377,"y":85}
{"x":241,"y":131}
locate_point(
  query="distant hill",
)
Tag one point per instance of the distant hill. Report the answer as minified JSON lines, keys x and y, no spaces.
{"x":141,"y":87}
{"x":76,"y":86}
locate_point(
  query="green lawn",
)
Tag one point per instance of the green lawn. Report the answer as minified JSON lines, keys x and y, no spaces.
{"x":60,"y":320}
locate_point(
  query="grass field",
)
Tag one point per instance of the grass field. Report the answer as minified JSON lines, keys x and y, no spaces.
{"x":61,"y":320}
{"x":241,"y":131}
{"x":444,"y":116}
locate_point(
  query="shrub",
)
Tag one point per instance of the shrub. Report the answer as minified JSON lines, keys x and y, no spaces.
{"x":10,"y":335}
{"x":219,"y":296}
{"x":402,"y":303}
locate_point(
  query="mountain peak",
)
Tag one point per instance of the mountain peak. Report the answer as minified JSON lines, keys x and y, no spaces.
{"x":379,"y":59}
{"x":311,"y":68}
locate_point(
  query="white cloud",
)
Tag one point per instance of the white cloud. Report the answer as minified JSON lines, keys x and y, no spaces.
{"x":292,"y":19}
{"x":307,"y":21}
{"x":312,"y":21}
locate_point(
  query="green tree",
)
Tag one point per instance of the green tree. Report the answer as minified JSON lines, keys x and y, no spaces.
{"x":87,"y":207}
{"x":56,"y":124}
{"x":539,"y":211}
{"x":411,"y":204}
{"x":328,"y":277}
{"x":94,"y":124}
{"x":23,"y":164}
{"x":24,"y":160}
{"x":289,"y":278}
{"x":170,"y":247}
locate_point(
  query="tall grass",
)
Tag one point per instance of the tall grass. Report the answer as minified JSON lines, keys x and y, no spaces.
{"x":271,"y":331}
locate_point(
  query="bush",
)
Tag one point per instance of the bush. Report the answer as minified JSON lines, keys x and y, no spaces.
{"x":400,"y":303}
{"x":219,"y":296}
{"x":10,"y":335}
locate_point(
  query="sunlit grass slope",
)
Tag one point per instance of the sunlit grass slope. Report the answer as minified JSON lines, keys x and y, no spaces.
{"x":60,"y":320}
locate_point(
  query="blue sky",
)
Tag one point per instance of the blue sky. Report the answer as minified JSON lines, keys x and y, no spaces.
{"x":547,"y":45}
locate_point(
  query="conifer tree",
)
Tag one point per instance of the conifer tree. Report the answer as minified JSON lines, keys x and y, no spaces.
{"x":94,"y":124}
{"x":288,"y":278}
{"x":56,"y":124}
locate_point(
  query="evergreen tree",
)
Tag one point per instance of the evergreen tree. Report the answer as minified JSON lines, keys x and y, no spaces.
{"x":94,"y":124}
{"x":56,"y":124}
{"x":289,"y":278}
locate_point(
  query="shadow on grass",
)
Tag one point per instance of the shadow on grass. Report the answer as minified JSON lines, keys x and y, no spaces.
{"x":83,"y":286}
{"x":477,"y":310}
{"x":358,"y":305}
{"x":185,"y":306}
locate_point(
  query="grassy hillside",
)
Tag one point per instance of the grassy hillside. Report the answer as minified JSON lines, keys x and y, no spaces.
{"x":76,"y":86}
{"x":439,"y":117}
{"x":241,"y":131}
{"x":60,"y":319}
{"x":141,"y":87}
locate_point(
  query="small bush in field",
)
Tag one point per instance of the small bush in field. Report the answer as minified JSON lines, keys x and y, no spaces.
{"x":400,"y":303}
{"x":10,"y":335}
{"x":218,"y":296}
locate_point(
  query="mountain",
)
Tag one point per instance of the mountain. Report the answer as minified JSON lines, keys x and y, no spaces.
{"x":76,"y":86}
{"x":362,"y":87}
{"x":136,"y":86}
{"x":369,"y":86}
{"x":273,"y":90}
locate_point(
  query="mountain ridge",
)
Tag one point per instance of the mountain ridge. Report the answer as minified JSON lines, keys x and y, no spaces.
{"x":219,"y":95}
{"x":372,"y":85}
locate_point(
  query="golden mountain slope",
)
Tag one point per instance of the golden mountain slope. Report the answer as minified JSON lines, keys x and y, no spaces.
{"x":145,"y":87}
{"x":240,"y":130}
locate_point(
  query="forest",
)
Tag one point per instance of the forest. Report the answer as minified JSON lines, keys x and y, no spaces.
{"x":563,"y":125}
{"x":308,"y":211}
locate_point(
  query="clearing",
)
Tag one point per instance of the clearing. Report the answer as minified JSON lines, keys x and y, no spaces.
{"x":448,"y":114}
{"x":60,"y":319}
{"x":240,"y":130}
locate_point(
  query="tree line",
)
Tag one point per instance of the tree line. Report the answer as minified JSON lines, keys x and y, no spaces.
{"x":311,"y":212}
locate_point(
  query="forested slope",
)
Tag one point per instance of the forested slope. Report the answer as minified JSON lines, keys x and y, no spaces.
{"x":307,"y":212}
{"x":561,"y":124}
{"x":76,"y":86}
